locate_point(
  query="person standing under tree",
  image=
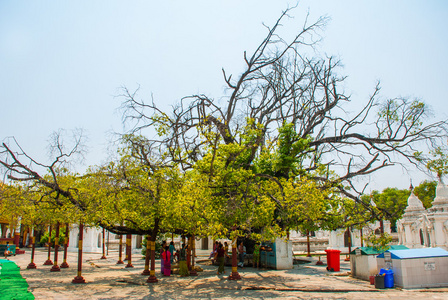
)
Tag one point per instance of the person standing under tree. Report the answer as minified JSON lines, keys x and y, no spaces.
{"x":213,"y":253}
{"x":7,"y":250}
{"x":242,"y":254}
{"x":221,"y":258}
{"x":162,"y":249}
{"x":172,"y":250}
{"x":226,"y":248}
{"x":256,"y":255}
{"x":183,"y":269}
{"x":166,"y":256}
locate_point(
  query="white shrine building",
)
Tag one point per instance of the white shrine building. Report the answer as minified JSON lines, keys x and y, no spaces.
{"x":420,"y":227}
{"x":93,"y":240}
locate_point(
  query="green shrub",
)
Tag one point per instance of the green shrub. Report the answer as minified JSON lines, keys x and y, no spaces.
{"x":44,"y":238}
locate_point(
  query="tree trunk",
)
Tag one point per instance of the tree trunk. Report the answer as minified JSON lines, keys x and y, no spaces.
{"x":308,"y":247}
{"x":362,"y":238}
{"x":104,"y":244}
{"x":189,"y":254}
{"x":193,"y":253}
{"x":152,"y":273}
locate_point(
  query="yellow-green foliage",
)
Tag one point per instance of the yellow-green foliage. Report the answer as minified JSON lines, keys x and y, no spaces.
{"x":439,"y":163}
{"x":378,"y":242}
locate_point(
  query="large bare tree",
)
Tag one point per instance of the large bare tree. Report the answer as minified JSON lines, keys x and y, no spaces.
{"x":285,"y":82}
{"x":287,"y":101}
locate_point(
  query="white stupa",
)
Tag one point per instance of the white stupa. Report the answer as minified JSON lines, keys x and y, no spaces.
{"x":438,"y":217}
{"x":415,"y":206}
{"x":410,"y":224}
{"x":441,"y":199}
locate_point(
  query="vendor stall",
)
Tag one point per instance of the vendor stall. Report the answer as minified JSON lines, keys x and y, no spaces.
{"x":277,"y":255}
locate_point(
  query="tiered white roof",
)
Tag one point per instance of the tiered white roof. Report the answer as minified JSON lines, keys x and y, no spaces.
{"x":414,"y":204}
{"x":441,"y":194}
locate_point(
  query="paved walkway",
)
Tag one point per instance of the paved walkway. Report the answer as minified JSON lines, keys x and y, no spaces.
{"x":106,"y":280}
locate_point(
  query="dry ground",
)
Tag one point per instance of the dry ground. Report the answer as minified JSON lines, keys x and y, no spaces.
{"x":106,"y":280}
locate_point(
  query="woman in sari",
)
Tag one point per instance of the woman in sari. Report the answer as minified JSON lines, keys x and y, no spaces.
{"x":162,"y":249}
{"x":166,"y":255}
{"x":183,"y":269}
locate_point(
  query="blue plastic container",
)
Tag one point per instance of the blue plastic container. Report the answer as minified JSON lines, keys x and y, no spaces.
{"x":388,"y":278}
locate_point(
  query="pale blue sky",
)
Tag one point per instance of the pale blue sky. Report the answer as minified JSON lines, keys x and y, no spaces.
{"x":62,"y":62}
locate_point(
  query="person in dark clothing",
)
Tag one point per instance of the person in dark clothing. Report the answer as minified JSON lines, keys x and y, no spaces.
{"x":183,"y":269}
{"x":242,"y":254}
{"x":220,"y":258}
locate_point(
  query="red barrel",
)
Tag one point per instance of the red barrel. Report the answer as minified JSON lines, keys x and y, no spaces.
{"x":333,"y":260}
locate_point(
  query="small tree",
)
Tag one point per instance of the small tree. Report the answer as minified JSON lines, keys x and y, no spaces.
{"x":378,"y":242}
{"x":426,"y":192}
{"x":391,"y":203}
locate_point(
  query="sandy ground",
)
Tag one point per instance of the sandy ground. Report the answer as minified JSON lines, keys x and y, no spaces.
{"x":106,"y":280}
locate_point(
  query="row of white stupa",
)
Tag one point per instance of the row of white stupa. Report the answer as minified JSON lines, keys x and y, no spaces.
{"x":420,"y":227}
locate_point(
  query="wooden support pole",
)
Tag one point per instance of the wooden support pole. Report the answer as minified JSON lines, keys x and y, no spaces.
{"x":48,"y":262}
{"x":32,"y":265}
{"x":79,"y":278}
{"x":147,"y":257}
{"x":16,"y":239}
{"x":152,"y":274}
{"x":129,"y":250}
{"x":126,"y":250}
{"x":234,"y":275}
{"x":120,"y":251}
{"x":25,"y":236}
{"x":55,"y":267}
{"x":64,"y":264}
